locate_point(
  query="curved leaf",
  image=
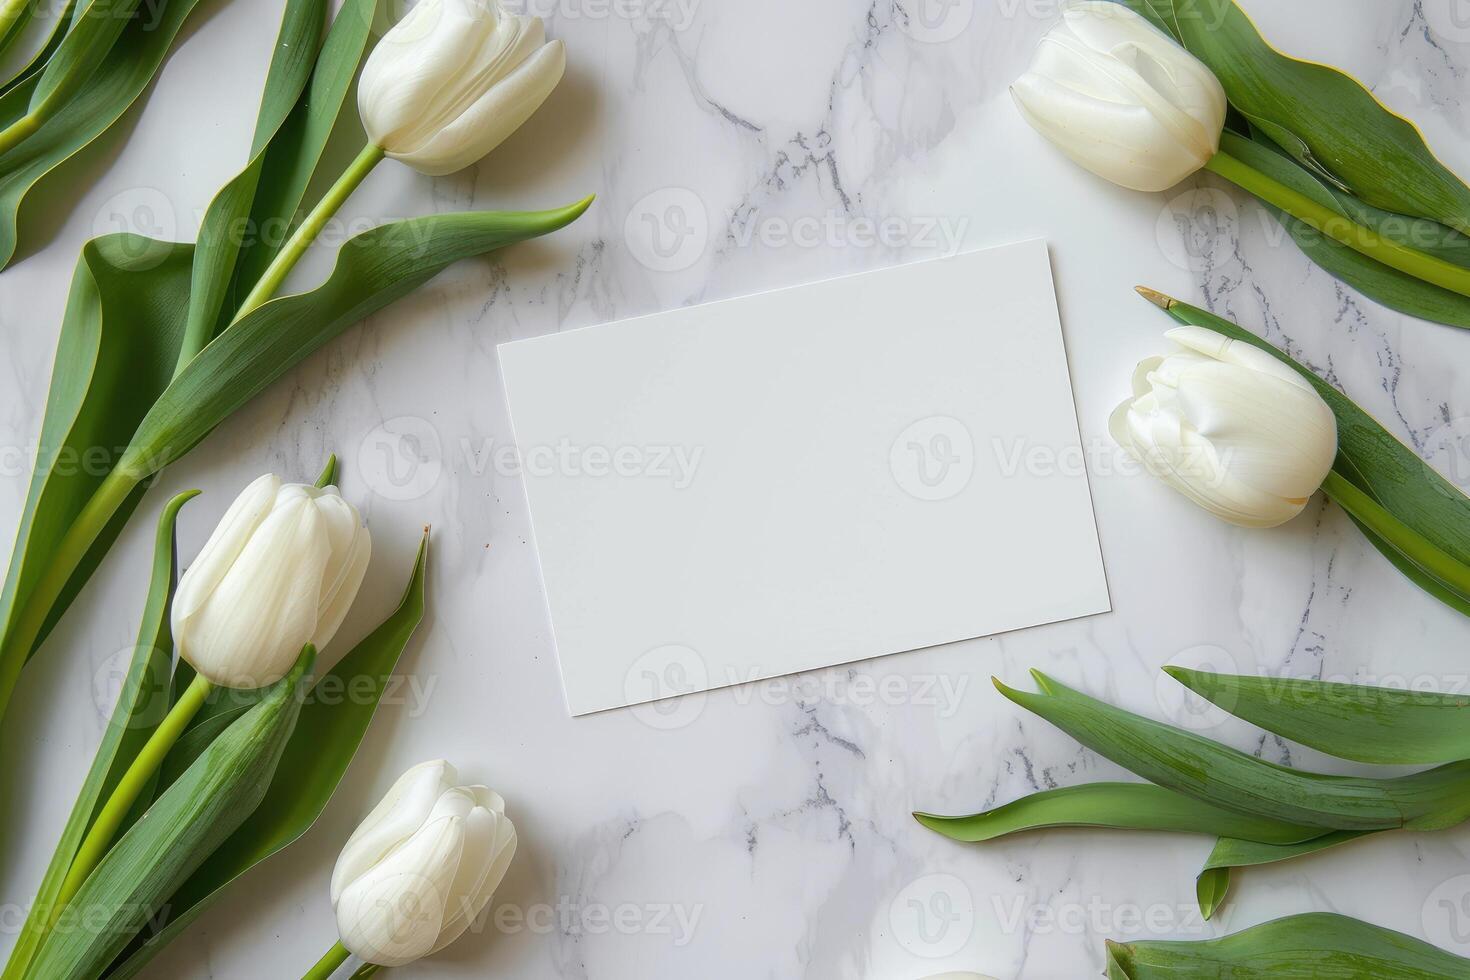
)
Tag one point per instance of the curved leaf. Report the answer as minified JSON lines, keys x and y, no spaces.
{"x":373,"y":269}
{"x":1315,"y":946}
{"x":142,"y":703}
{"x":1116,"y":806}
{"x":1351,"y":721}
{"x":1230,"y":853}
{"x":1226,"y":777}
{"x":107,"y":93}
{"x":189,"y":821}
{"x":327,"y":735}
{"x":1322,"y":117}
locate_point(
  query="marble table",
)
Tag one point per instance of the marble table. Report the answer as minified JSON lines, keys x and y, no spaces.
{"x":737,"y":147}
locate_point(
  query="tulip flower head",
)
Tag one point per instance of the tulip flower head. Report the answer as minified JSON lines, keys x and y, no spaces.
{"x":1230,"y":427}
{"x":280,"y":571}
{"x":421,"y":867}
{"x":451,"y":80}
{"x":1121,"y":98}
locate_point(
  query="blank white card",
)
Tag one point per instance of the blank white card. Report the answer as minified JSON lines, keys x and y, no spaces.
{"x":806,"y":477}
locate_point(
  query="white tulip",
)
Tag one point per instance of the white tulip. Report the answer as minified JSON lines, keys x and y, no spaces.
{"x":1121,"y":98}
{"x":421,"y":867}
{"x":1230,"y":427}
{"x":451,"y":80}
{"x":280,"y":571}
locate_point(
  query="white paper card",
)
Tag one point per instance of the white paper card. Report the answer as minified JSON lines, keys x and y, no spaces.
{"x":806,"y":477}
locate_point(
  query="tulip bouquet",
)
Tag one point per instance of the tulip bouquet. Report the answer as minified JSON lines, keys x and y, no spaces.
{"x":78,"y":66}
{"x":163,"y":341}
{"x":1141,"y":92}
{"x":1260,"y":812}
{"x":211,"y":766}
{"x":1246,"y":432}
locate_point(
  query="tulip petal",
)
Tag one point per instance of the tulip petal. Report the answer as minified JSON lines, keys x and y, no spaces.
{"x":489,"y":849}
{"x":393,"y":914}
{"x":224,"y":546}
{"x":493,"y":117}
{"x":402,"y":811}
{"x":264,"y":611}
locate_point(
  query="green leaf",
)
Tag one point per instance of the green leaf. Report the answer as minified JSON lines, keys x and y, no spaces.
{"x":1394,"y":289}
{"x":1228,"y":778}
{"x":373,"y":269}
{"x":1117,"y":806}
{"x":184,"y":826}
{"x":56,"y":32}
{"x":1315,"y":946}
{"x":330,"y":729}
{"x":1351,"y":721}
{"x":1229,"y":853}
{"x":1322,"y":117}
{"x":92,"y":34}
{"x":1210,"y":889}
{"x":1377,"y":463}
{"x":223,"y":231}
{"x":106,"y":94}
{"x":108,"y":372}
{"x":142,"y":702}
{"x":296,"y":151}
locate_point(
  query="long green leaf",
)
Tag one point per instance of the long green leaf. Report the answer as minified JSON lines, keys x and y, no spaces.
{"x":185,"y":825}
{"x":1380,"y":465}
{"x":1315,"y":946}
{"x":1396,"y":290}
{"x":142,"y":702}
{"x":1351,"y":721}
{"x":296,"y":151}
{"x":93,"y":32}
{"x":119,"y":339}
{"x":1117,"y":806}
{"x":107,"y":93}
{"x":60,"y":21}
{"x":1230,"y":853}
{"x":1324,"y":118}
{"x":1226,"y":777}
{"x":373,"y":269}
{"x":327,"y":736}
{"x":222,"y":231}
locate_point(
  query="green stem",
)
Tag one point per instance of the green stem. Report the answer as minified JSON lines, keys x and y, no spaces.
{"x":308,"y":230}
{"x":1409,"y":542}
{"x":1341,"y":229}
{"x":99,"y":837}
{"x":328,"y":964}
{"x":34,"y":607}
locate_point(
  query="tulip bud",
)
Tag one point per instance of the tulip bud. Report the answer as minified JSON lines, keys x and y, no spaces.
{"x":1121,"y":98}
{"x":1230,"y":427}
{"x":421,"y":867}
{"x":280,"y":571}
{"x":451,"y":80}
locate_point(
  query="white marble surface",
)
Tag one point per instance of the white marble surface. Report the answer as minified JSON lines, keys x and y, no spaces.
{"x":768,"y":833}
